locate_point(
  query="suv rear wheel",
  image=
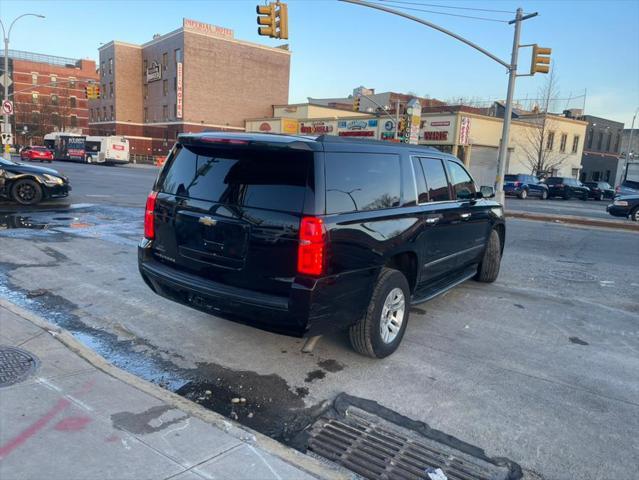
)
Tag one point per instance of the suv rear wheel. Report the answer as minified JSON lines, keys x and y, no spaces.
{"x":523,"y":194}
{"x":489,"y":267}
{"x":544,"y":195}
{"x":380,"y":331}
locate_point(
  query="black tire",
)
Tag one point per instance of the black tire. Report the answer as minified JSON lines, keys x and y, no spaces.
{"x":26,"y":192}
{"x":523,"y":194}
{"x":544,"y":195}
{"x":566,"y":196}
{"x":365,"y":335}
{"x":491,"y":261}
{"x":600,"y":197}
{"x":584,"y":197}
{"x":634,"y":215}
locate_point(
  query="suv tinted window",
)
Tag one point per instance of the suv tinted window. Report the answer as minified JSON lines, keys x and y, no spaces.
{"x":463,"y":185}
{"x":262,"y":179}
{"x":358,"y":181}
{"x":511,"y":178}
{"x":420,"y":181}
{"x":555,"y":181}
{"x":435,"y":179}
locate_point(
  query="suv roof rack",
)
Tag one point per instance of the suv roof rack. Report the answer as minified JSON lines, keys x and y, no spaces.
{"x":368,"y":141}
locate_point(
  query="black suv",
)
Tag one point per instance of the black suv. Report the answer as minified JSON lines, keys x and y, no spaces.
{"x":566,"y":188}
{"x":600,"y":190}
{"x":28,"y":184}
{"x":308,"y":235}
{"x":523,"y":186}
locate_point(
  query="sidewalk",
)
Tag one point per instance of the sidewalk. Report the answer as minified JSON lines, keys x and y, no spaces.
{"x":79,"y":418}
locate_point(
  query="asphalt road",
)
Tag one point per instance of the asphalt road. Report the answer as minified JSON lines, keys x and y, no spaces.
{"x":540,"y":367}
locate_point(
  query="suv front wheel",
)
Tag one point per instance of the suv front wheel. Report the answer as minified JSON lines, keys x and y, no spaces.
{"x":380,"y":331}
{"x":491,"y":261}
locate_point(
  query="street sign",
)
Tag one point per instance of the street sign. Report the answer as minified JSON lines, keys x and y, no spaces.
{"x":5,"y":81}
{"x":7,"y":138}
{"x":7,"y":107}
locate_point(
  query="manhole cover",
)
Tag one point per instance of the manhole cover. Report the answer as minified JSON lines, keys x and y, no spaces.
{"x":15,"y":365}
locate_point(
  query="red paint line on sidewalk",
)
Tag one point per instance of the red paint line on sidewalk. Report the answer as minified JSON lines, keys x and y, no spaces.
{"x":34,"y":428}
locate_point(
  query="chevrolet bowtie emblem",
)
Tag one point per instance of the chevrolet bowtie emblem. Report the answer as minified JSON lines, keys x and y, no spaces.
{"x":208,"y":221}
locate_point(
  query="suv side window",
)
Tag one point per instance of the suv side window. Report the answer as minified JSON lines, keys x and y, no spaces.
{"x":420,"y":181}
{"x":463,"y":185}
{"x":361,"y":181}
{"x":435,"y":179}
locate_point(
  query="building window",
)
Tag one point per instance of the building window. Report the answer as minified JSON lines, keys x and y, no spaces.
{"x":54,"y":99}
{"x":165,"y":112}
{"x":146,"y":66}
{"x":165,"y":60}
{"x":617,"y":143}
{"x":55,"y":119}
{"x":54,"y":80}
{"x":564,"y":139}
{"x":591,"y":136}
{"x":575,"y":173}
{"x":178,"y":56}
{"x":73,"y":102}
{"x":98,"y":117}
{"x":35,"y":117}
{"x":607,"y":175}
{"x":575,"y":143}
{"x":34,"y":79}
{"x":102,"y":71}
{"x":609,"y":141}
{"x":146,"y":91}
{"x":104,"y":112}
{"x":111,"y":108}
{"x":74,"y":121}
{"x":103,"y":90}
{"x":110,"y":65}
{"x":550,"y":140}
{"x":600,"y":141}
{"x":110,"y":89}
{"x":175,"y":84}
{"x":71,"y":82}
{"x":165,"y":87}
{"x":146,"y":114}
{"x":34,"y":97}
{"x":595,"y":176}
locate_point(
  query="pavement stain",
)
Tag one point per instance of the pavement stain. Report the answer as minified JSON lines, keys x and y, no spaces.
{"x":315,"y":375}
{"x":577,"y":341}
{"x":330,"y":365}
{"x":148,"y":421}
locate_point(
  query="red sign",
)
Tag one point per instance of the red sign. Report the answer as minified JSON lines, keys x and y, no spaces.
{"x":118,"y":147}
{"x":265,"y":127}
{"x":436,"y":136}
{"x":359,"y":133}
{"x":178,"y":93}
{"x":206,"y":28}
{"x":441,"y":124}
{"x":316,"y":127}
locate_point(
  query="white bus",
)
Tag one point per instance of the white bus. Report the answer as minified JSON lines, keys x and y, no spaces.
{"x":107,"y":150}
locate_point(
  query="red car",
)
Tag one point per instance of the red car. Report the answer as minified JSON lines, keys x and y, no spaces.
{"x":36,"y":153}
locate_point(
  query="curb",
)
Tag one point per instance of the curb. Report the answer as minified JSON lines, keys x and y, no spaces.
{"x":304,"y":462}
{"x":573,"y":220}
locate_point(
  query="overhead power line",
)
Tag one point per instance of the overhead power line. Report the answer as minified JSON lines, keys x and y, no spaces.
{"x":445,"y":13}
{"x":420,"y":4}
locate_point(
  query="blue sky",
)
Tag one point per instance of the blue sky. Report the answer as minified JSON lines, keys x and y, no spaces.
{"x":337,"y":46}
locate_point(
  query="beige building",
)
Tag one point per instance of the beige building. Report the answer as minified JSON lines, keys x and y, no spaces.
{"x":198,"y":77}
{"x":459,"y":130}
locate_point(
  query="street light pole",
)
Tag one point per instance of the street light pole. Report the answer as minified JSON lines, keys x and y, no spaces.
{"x":505,"y":132}
{"x":6,"y":34}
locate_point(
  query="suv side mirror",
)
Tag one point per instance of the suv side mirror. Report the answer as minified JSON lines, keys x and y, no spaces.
{"x":487,"y":191}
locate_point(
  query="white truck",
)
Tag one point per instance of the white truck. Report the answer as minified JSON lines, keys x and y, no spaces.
{"x":107,"y":150}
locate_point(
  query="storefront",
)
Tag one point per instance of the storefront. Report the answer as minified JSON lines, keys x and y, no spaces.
{"x":358,"y":128}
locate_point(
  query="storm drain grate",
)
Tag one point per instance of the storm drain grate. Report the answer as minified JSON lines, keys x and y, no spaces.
{"x":15,"y":365}
{"x":379,"y":449}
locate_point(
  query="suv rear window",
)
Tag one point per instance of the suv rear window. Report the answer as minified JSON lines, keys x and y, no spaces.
{"x":361,"y":181}
{"x":555,"y":181}
{"x":274,"y":180}
{"x":511,"y":178}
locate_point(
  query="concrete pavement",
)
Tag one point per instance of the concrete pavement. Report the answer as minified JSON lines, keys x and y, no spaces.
{"x":72,"y":420}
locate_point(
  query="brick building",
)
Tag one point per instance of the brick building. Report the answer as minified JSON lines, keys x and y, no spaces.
{"x":48,"y":94}
{"x":195,"y":78}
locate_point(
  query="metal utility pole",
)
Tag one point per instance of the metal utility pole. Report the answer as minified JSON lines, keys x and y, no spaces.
{"x":511,"y":68}
{"x":6,"y":36}
{"x":632,"y":129}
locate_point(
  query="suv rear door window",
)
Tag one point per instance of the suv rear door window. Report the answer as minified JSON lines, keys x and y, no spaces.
{"x":463,"y":185}
{"x":361,"y":181}
{"x":274,"y":180}
{"x":420,"y":181}
{"x":511,"y":178}
{"x":436,"y":180}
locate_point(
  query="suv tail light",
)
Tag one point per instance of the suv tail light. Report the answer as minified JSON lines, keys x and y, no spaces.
{"x":149,"y":227}
{"x":517,"y":184}
{"x":310,"y":252}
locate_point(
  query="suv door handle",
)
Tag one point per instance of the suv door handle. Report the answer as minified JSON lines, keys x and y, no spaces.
{"x":464,"y":216}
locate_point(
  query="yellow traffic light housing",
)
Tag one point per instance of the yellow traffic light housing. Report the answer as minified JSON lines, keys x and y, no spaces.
{"x":540,"y":60}
{"x":96,"y":91}
{"x":356,"y":103}
{"x":266,"y":17}
{"x":87,"y":91}
{"x":273,"y":20}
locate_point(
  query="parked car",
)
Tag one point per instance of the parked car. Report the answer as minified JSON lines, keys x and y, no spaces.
{"x":36,"y":153}
{"x":625,"y":206}
{"x":304,"y":236}
{"x":627,"y":187}
{"x":522,"y":186}
{"x":566,"y":187}
{"x":28,"y":184}
{"x":600,"y":190}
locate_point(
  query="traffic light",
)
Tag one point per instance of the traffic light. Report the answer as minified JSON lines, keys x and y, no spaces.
{"x":356,"y":102}
{"x":540,"y":60}
{"x":273,"y":20}
{"x":96,"y":91}
{"x":87,"y":91}
{"x":266,"y":17}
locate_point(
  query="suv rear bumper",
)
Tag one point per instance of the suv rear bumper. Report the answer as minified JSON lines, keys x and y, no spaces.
{"x":314,"y":306}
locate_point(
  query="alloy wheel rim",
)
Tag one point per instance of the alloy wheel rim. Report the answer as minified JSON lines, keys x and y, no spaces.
{"x":392,"y":316}
{"x":26,"y":192}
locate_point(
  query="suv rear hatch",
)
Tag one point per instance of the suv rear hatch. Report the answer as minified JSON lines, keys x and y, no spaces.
{"x":230,"y":212}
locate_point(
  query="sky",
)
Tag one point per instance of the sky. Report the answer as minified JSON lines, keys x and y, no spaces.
{"x":338,"y":46}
